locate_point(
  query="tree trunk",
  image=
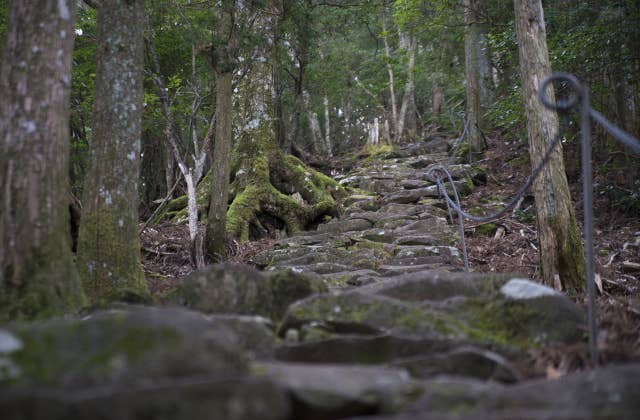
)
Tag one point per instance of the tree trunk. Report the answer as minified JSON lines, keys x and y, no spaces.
{"x":282,"y":139}
{"x":437,"y":98}
{"x":472,"y":76}
{"x":484,"y":57}
{"x":275,"y":192}
{"x":223,"y":56}
{"x":216,"y":220}
{"x":108,"y":244}
{"x":327,"y":126}
{"x":294,"y":136}
{"x":37,"y":276}
{"x":408,"y":102}
{"x":561,"y":252}
{"x":392,"y":88}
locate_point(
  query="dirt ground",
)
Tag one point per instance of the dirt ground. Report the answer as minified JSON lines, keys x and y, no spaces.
{"x":509,"y":246}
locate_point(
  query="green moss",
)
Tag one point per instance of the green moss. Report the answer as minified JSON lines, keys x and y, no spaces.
{"x":44,"y":358}
{"x":520,"y":161}
{"x":462,"y":154}
{"x":339,"y":281}
{"x":366,"y":244}
{"x":242,"y":212}
{"x":109,"y":261}
{"x":46,"y":284}
{"x":375,"y":152}
{"x":487,"y":229}
{"x":287,"y":287}
{"x":507,"y":323}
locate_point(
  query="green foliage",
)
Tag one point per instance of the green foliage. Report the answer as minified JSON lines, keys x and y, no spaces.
{"x":82,"y":91}
{"x":524,"y":216}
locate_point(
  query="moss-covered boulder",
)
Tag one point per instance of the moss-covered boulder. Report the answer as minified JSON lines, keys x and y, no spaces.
{"x":238,"y":289}
{"x":465,"y":361}
{"x":612,"y":392}
{"x":493,"y":311}
{"x":131,"y":363}
{"x":132,"y":345}
{"x":338,"y":391}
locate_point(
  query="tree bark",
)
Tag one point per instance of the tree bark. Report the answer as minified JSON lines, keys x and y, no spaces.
{"x":327,"y":126}
{"x":484,"y":57}
{"x":223,"y":65}
{"x":37,"y":276}
{"x":108,"y":244}
{"x":217,"y":217}
{"x":561,"y":252}
{"x":392,"y":88}
{"x":408,"y":100}
{"x":472,"y":76}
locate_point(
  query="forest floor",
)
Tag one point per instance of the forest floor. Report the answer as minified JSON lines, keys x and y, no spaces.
{"x":510,"y":248}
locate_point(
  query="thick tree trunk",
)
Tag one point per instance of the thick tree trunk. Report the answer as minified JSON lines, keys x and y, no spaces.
{"x":294,"y":136}
{"x":275,"y":192}
{"x":216,"y":220}
{"x":37,"y":276}
{"x":472,"y":76}
{"x":561,"y":251}
{"x":223,"y":56}
{"x":108,"y":244}
{"x":279,"y":120}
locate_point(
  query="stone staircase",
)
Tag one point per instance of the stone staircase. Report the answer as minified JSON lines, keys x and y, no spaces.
{"x":370,"y":316}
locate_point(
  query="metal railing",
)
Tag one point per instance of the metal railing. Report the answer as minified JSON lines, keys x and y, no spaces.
{"x":579,"y":98}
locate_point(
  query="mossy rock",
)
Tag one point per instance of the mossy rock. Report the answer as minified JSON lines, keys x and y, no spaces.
{"x":486,"y":311}
{"x":128,"y":346}
{"x":238,"y":289}
{"x":611,"y":392}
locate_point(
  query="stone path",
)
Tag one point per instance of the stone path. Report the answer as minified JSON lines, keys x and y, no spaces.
{"x":393,"y":223}
{"x":369,"y":317}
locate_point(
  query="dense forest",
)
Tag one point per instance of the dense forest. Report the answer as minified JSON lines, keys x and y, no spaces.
{"x":208,"y":132}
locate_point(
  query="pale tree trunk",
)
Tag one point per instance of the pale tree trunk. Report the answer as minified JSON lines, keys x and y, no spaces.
{"x":169,"y":179}
{"x":374,"y":132}
{"x":347,"y":113}
{"x":37,"y":276}
{"x":327,"y":126}
{"x":190,"y":172}
{"x":408,"y":103}
{"x":387,"y":131}
{"x":316,"y":134}
{"x":437,"y":97}
{"x":561,"y":251}
{"x":472,"y":76}
{"x":392,"y":88}
{"x":108,"y":243}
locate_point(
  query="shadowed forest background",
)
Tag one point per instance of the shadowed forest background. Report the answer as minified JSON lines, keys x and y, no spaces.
{"x":276,"y":158}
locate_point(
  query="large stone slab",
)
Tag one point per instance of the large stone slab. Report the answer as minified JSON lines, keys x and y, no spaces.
{"x":241,"y":398}
{"x":336,"y":391}
{"x":134,"y":362}
{"x":228,"y":288}
{"x":611,"y":392}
